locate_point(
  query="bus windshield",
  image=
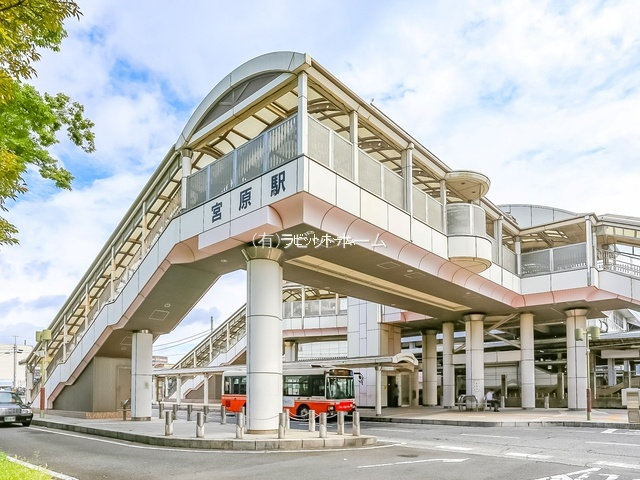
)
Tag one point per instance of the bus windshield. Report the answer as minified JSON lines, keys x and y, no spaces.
{"x":340,"y":387}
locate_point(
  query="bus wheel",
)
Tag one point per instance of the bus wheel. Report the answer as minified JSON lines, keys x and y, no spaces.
{"x":303,"y":411}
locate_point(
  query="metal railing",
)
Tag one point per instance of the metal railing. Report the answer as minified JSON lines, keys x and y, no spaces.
{"x":618,"y":262}
{"x":559,"y":259}
{"x":267,"y":151}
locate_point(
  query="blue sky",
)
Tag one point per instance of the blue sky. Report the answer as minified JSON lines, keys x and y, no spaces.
{"x":540,"y":96}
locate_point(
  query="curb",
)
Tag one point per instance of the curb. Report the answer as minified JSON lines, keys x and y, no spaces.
{"x":217,"y":444}
{"x":524,"y":423}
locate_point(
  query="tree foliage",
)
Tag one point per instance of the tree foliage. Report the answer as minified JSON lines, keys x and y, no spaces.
{"x":29,"y":121}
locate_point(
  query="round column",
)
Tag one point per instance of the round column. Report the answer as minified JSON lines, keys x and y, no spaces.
{"x":474,"y":351}
{"x":576,"y":360}
{"x":429,"y":369}
{"x":141,"y":369}
{"x":448,"y":371}
{"x":527,"y":368}
{"x":264,"y":339}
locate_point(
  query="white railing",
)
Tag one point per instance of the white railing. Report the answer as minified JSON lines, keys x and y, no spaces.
{"x":619,"y":262}
{"x":559,"y":259}
{"x":267,"y":151}
{"x":329,"y":148}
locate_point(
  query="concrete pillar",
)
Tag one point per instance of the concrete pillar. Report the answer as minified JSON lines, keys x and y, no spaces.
{"x":290,"y":351}
{"x":611,"y":372}
{"x":474,"y":350}
{"x":185,"y":163}
{"x":448,"y":371}
{"x":407,"y":177}
{"x":264,"y":338}
{"x":576,"y":360}
{"x":429,"y":368}
{"x":141,"y":369}
{"x":378,"y":390}
{"x":527,"y":367}
{"x":415,"y":389}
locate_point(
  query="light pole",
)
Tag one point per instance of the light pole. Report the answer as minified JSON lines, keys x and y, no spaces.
{"x":584,"y":334}
{"x":43,"y":336}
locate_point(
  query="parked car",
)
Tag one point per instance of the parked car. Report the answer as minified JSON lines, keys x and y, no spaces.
{"x":13,"y":410}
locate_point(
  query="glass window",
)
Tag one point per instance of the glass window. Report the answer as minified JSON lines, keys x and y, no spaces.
{"x":340,"y":387}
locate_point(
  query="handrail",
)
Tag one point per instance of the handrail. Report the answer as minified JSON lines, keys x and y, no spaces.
{"x":618,"y":262}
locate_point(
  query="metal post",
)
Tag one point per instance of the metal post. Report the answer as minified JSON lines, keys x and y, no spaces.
{"x":356,"y":424}
{"x":323,"y":425}
{"x":281,"y":424}
{"x":223,"y":415}
{"x":200,"y":425}
{"x":340,"y":423}
{"x":312,"y":420}
{"x":502,"y":401}
{"x":168,"y":423}
{"x":240,"y":425}
{"x":189,"y":410}
{"x":205,"y":410}
{"x":586,"y":335}
{"x":175,"y":411}
{"x":287,"y":420}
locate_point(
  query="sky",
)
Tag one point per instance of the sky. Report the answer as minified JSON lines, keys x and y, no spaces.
{"x":542,"y":97}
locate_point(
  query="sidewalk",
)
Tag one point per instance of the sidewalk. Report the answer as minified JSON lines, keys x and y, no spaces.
{"x":223,"y":437}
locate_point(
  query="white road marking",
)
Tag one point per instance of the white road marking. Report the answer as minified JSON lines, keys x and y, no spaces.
{"x":618,"y":444}
{"x":443,"y":460}
{"x":453,"y":447}
{"x":198,"y":450}
{"x":632,"y":466}
{"x":615,"y":431}
{"x":51,"y":473}
{"x":567,"y":476}
{"x":531,"y":456}
{"x":401,"y":430}
{"x":485,"y":436}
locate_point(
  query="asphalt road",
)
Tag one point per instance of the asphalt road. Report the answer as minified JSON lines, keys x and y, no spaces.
{"x":407,"y":452}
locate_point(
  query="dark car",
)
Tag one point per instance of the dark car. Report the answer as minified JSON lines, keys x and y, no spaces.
{"x":12,"y":410}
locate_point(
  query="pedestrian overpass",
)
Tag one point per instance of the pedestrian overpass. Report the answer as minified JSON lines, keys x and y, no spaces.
{"x":283,"y":171}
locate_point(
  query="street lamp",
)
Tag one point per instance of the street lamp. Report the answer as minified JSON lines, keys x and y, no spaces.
{"x":584,"y":334}
{"x":43,"y":336}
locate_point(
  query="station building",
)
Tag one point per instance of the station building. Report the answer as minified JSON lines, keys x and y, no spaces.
{"x":284,"y":171}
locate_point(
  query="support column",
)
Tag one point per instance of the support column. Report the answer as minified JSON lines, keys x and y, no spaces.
{"x":443,"y":201}
{"x":205,"y":390}
{"x":353,"y":138}
{"x":429,"y":369}
{"x":378,"y":390}
{"x":186,"y":171}
{"x":415,"y":389}
{"x":448,"y":371}
{"x":303,"y":119}
{"x":264,"y":338}
{"x":611,"y":372}
{"x":527,"y":367}
{"x":576,"y":360}
{"x":474,"y":350}
{"x":407,"y":177}
{"x":290,"y":351}
{"x":141,"y":369}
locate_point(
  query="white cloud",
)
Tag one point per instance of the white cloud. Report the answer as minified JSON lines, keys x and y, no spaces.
{"x":542,"y":97}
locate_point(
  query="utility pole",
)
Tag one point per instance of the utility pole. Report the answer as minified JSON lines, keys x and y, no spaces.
{"x":15,"y":360}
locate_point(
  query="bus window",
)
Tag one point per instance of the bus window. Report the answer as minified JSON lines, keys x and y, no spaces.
{"x":340,"y":387}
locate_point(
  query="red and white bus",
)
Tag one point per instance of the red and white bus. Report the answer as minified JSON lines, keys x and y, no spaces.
{"x":322,"y":389}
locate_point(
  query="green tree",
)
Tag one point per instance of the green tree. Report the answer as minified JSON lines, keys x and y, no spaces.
{"x":30,"y":121}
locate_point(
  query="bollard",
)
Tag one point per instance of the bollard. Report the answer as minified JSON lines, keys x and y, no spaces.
{"x":189,"y":410}
{"x":356,"y":424}
{"x":174,"y":409}
{"x":240,"y":425}
{"x":168,"y":423}
{"x":287,"y":420}
{"x":312,"y":420}
{"x":160,"y":411}
{"x":223,"y":415}
{"x":546,"y":401}
{"x":340,"y":423}
{"x":323,"y":425}
{"x":200,"y":425}
{"x":281,"y":424}
{"x":205,"y":410}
